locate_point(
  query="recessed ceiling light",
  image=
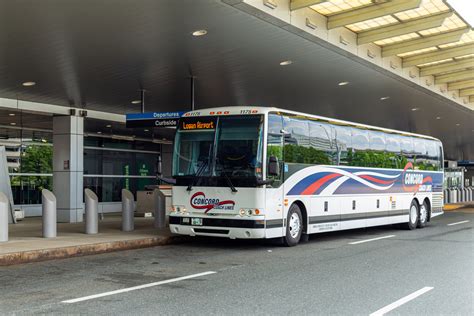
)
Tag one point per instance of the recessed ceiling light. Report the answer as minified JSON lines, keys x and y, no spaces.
{"x":99,"y":132}
{"x":12,"y":114}
{"x":457,"y":124}
{"x":286,"y":63}
{"x":13,"y":123}
{"x":28,"y":83}
{"x":199,"y":32}
{"x":108,"y":125}
{"x":384,"y":98}
{"x":415,"y":109}
{"x":343,"y":83}
{"x":438,"y":117}
{"x":146,"y":130}
{"x":136,"y":101}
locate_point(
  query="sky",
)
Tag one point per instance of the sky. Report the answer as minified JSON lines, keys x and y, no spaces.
{"x":465,"y":8}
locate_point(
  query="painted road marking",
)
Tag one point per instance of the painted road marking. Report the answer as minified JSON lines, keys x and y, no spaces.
{"x":401,"y":301}
{"x":457,"y":223}
{"x":367,"y":240}
{"x":139,"y":287}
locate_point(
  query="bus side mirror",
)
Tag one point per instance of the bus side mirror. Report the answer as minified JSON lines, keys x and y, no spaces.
{"x":273,"y":166}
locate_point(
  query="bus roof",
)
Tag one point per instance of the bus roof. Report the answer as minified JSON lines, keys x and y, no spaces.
{"x":255,"y":110}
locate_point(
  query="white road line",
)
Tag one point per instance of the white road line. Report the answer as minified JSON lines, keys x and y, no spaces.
{"x":401,"y":301}
{"x":139,"y":287}
{"x":457,"y":223}
{"x":367,"y":240}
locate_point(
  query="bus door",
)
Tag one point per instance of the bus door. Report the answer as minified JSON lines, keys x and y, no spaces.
{"x":274,"y":192}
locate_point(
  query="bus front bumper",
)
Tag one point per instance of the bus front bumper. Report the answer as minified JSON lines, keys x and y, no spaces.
{"x":234,"y":228}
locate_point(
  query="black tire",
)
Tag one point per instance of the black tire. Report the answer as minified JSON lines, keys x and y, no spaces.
{"x":292,"y":238}
{"x":424,"y":214}
{"x":414,"y":215}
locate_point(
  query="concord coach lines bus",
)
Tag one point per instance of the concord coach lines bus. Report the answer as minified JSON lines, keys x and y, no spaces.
{"x":255,"y":172}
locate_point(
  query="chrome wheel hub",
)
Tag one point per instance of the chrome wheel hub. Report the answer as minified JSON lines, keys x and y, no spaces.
{"x":423,"y":214}
{"x":294,"y":225}
{"x":413,"y":214}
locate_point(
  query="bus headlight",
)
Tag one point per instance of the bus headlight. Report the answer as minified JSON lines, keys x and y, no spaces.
{"x":242,"y":212}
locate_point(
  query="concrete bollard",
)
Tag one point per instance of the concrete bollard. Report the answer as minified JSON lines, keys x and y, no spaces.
{"x":452,"y":196}
{"x":92,"y":212}
{"x":446,"y":196}
{"x":4,"y":204}
{"x":160,"y":209}
{"x":128,"y":210}
{"x":49,"y":214}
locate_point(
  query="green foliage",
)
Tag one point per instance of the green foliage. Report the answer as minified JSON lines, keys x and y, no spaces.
{"x":306,"y":155}
{"x":376,"y":159}
{"x":37,"y":159}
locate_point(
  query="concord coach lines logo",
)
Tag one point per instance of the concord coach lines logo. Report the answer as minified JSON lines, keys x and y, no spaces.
{"x":200,"y":202}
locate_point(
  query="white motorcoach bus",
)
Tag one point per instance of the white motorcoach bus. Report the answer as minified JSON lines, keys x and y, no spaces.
{"x":256,"y":172}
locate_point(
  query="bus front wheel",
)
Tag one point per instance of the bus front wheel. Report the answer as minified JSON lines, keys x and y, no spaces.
{"x":294,"y":226}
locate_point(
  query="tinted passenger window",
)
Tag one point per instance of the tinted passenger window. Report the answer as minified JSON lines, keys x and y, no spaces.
{"x":343,"y":144}
{"x":296,"y":140}
{"x":360,"y":155}
{"x":321,"y":150}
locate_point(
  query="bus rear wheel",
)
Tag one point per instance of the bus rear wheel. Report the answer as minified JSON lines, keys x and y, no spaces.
{"x":424,"y":213}
{"x":294,"y":226}
{"x":414,"y":215}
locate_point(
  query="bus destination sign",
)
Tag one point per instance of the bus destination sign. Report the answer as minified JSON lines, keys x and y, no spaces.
{"x":198,"y":123}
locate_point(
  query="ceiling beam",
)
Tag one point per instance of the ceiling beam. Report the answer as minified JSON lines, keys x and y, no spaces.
{"x":446,"y":67}
{"x":300,"y":4}
{"x":466,"y":92}
{"x":455,"y":76}
{"x":438,"y":55}
{"x":402,"y":28}
{"x":423,"y":42}
{"x":370,"y":12}
{"x":460,"y":85}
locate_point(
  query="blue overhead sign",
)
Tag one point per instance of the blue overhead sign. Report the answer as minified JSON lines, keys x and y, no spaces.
{"x":153,"y":119}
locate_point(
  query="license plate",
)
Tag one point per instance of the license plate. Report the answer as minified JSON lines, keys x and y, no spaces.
{"x":196,"y":221}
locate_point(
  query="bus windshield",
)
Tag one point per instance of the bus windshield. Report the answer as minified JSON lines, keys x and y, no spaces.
{"x":229,"y":146}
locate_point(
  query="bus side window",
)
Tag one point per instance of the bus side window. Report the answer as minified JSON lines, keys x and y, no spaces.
{"x":321,"y":149}
{"x":394,"y":154}
{"x":360,"y":143}
{"x":343,"y":144}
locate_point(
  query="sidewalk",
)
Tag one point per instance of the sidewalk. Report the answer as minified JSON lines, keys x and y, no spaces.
{"x":26,"y":244}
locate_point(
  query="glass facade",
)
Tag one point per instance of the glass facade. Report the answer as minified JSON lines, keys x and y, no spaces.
{"x":109,"y":166}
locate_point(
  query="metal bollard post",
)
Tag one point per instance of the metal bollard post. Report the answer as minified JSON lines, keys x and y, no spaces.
{"x":160,"y":209}
{"x":4,"y":204}
{"x":128,"y":210}
{"x":452,"y":196}
{"x":92,"y":212}
{"x":49,"y":214}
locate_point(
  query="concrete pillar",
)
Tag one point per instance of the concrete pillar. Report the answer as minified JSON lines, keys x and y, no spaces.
{"x":4,"y":203}
{"x":68,"y":167}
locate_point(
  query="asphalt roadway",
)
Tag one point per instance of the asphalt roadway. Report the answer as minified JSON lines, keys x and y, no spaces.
{"x":427,"y":271}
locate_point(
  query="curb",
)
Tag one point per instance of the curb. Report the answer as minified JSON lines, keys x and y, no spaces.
{"x":13,"y":258}
{"x":453,"y":207}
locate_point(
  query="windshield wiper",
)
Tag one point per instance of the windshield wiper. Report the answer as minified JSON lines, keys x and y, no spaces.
{"x":227,"y":178}
{"x":229,"y":182}
{"x":197,"y":175}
